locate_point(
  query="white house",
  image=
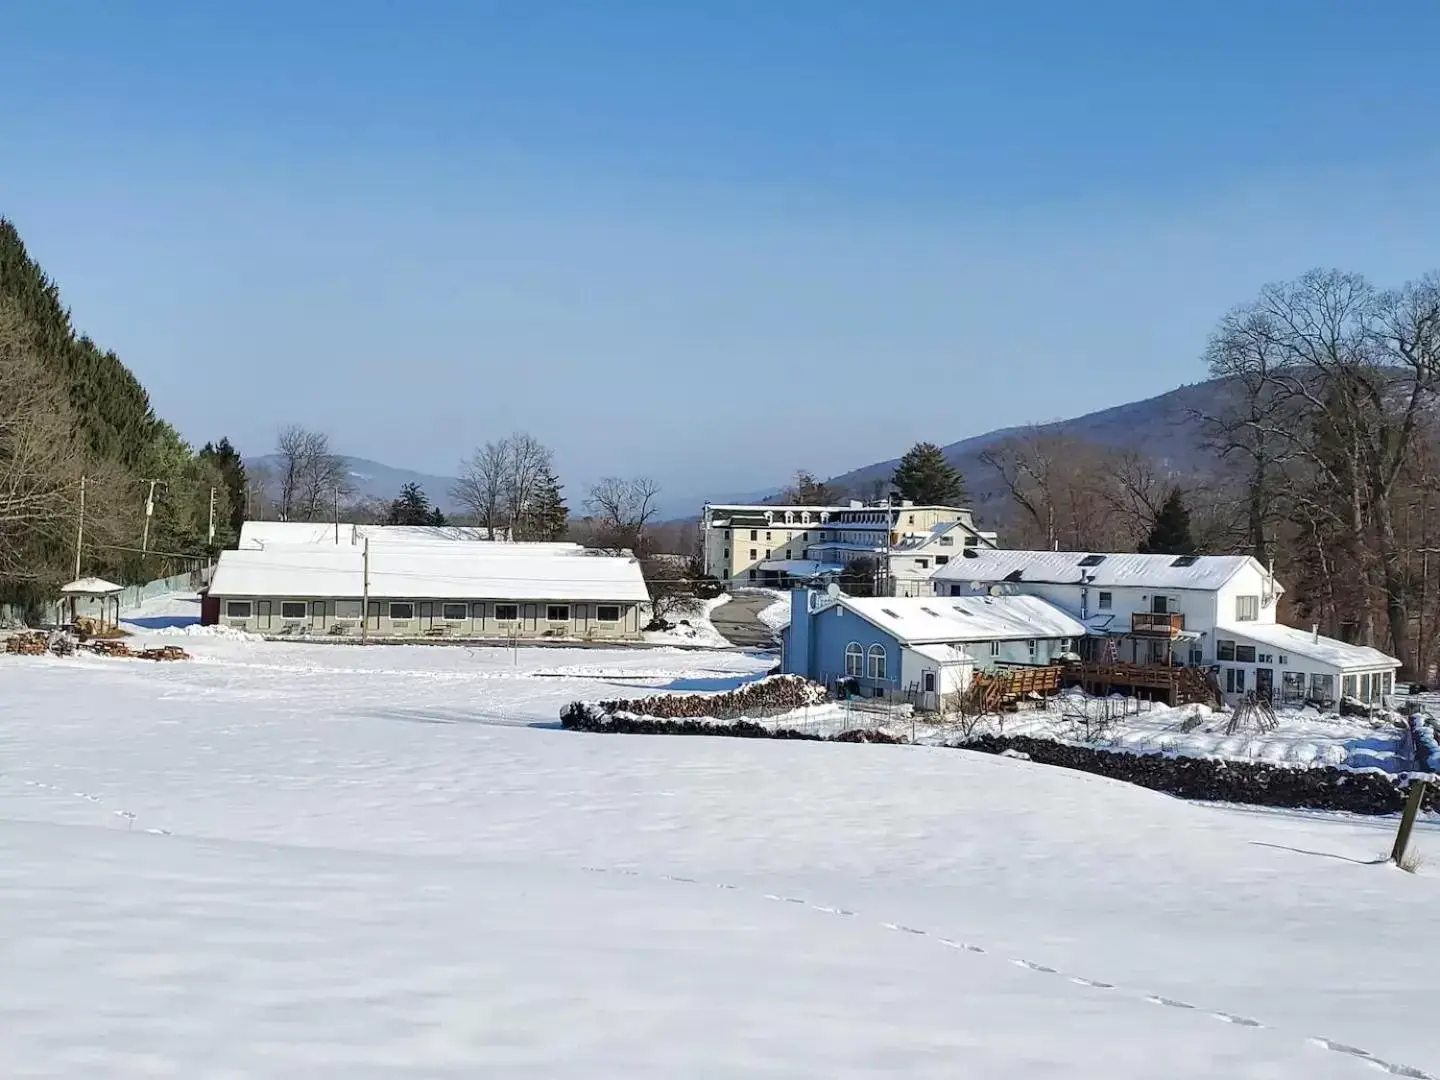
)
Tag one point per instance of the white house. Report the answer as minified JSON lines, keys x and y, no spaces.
{"x":1214,"y":611}
{"x":926,"y":649}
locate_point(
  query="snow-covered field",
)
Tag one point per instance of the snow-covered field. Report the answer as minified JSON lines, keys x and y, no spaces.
{"x":288,"y":860}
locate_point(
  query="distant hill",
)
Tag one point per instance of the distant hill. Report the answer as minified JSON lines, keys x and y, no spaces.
{"x":372,"y":480}
{"x":1162,"y":428}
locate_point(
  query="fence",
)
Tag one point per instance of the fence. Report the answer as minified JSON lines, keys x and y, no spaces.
{"x":131,"y":597}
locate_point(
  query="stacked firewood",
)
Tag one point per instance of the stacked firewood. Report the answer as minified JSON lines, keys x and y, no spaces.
{"x":31,"y":644}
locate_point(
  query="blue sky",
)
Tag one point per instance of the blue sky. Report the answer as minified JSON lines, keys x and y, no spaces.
{"x":712,"y":242}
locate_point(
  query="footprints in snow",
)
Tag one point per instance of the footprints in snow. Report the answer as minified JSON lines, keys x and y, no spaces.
{"x":128,"y":815}
{"x":1394,"y":1069}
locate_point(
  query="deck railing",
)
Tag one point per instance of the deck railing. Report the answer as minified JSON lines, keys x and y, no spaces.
{"x":1149,"y":622}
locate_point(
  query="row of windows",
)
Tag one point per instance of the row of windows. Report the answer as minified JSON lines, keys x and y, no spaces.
{"x":404,"y":611}
{"x":872,"y":662}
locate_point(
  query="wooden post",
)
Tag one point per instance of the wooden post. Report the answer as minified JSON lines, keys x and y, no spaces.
{"x":365,"y":592}
{"x":1407,"y":821}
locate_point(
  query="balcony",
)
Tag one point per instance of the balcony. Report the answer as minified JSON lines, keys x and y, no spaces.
{"x":1164,"y":624}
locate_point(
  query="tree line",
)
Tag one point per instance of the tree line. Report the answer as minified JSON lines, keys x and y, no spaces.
{"x":82,"y":452}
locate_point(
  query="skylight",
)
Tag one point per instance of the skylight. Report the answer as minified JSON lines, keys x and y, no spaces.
{"x":1092,"y":560}
{"x":887,"y":611}
{"x":927,"y":611}
{"x":1185,"y":560}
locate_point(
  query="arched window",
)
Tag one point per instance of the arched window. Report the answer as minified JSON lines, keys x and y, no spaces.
{"x":854,"y":656}
{"x":877,"y":662}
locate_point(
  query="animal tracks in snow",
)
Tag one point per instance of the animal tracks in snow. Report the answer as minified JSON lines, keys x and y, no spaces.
{"x":1330,"y":1045}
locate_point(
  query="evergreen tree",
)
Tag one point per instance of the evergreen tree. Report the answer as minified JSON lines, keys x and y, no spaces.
{"x":225,"y":458}
{"x":925,"y":478}
{"x":412,"y":507}
{"x":1170,"y":534}
{"x":548,"y":516}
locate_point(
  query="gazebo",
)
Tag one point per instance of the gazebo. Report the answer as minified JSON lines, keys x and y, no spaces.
{"x":93,"y":589}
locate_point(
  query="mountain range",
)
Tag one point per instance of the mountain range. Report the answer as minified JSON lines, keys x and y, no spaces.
{"x":1162,"y":428}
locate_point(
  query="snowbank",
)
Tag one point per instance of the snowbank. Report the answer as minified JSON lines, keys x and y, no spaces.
{"x":195,"y":630}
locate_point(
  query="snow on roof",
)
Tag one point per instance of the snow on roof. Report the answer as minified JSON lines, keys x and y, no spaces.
{"x":942,"y":653}
{"x":91,"y":586}
{"x":801,"y":567}
{"x":1326,"y":650}
{"x":434,"y":571}
{"x":1102,"y":570}
{"x":918,"y":619}
{"x":257,"y":534}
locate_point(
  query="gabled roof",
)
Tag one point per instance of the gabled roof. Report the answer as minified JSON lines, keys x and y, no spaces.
{"x":1338,"y":654}
{"x":434,"y":571}
{"x":1102,"y":570}
{"x":922,"y":619}
{"x":91,"y":586}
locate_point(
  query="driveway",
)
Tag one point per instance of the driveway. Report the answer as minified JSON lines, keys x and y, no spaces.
{"x":739,"y":621}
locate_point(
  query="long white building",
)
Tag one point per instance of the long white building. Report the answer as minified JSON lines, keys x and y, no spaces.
{"x":457,"y":590}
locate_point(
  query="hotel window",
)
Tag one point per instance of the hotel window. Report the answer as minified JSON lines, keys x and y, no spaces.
{"x":454,"y":612}
{"x":238,"y":609}
{"x":854,"y":660}
{"x":608,"y":613}
{"x":558,"y":613}
{"x":877,"y":663}
{"x":507,"y":612}
{"x":1245,"y":654}
{"x":1224,"y":650}
{"x":292,"y":609}
{"x":1247,"y":608}
{"x":994,"y":648}
{"x":1107,"y":600}
{"x":402,"y":612}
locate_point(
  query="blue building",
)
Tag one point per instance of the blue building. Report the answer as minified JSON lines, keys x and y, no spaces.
{"x":926,"y":648}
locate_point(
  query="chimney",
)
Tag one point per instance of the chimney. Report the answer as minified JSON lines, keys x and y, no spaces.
{"x":1315,"y":633}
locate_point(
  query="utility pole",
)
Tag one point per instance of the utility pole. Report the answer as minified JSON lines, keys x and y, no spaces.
{"x":149,"y":512}
{"x":80,"y":531}
{"x":337,"y":516}
{"x":365,"y":592}
{"x":212,"y":517}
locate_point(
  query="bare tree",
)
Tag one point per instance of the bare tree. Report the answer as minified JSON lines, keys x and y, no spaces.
{"x":622,"y":509}
{"x":310,"y":476}
{"x":1245,"y":352}
{"x":481,"y":486}
{"x":41,"y":460}
{"x":527,"y":462}
{"x":1354,"y":373}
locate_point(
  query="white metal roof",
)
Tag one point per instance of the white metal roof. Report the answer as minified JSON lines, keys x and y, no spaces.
{"x":913,"y":620}
{"x":1206,"y":572}
{"x":1336,"y":654}
{"x":434,"y":571}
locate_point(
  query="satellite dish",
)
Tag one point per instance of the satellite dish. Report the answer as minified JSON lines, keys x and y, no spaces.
{"x":832,"y":590}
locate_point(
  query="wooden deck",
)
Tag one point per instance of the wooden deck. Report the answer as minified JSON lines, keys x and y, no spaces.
{"x":1174,"y":685}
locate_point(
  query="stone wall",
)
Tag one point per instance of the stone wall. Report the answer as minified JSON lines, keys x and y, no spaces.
{"x":1250,"y":782}
{"x":583,"y":716}
{"x":764,"y":697}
